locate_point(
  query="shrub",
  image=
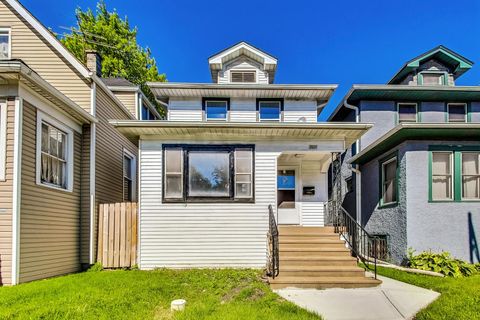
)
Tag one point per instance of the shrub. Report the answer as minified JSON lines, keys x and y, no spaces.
{"x":96,"y":267}
{"x":442,"y":263}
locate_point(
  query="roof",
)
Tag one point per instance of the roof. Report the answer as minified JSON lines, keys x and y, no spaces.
{"x":395,"y":92}
{"x":118,"y":82}
{"x":455,"y":61}
{"x":417,"y":131}
{"x":348,"y":132}
{"x":320,"y":92}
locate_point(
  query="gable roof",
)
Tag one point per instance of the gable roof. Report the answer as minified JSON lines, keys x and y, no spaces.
{"x":458,"y":63}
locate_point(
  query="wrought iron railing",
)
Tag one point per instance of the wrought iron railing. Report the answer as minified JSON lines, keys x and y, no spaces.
{"x":363,"y":245}
{"x":273,"y":268}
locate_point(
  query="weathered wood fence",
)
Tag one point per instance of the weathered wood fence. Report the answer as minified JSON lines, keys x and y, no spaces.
{"x":117,"y":234}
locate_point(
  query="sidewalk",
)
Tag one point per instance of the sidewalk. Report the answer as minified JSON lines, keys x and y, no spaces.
{"x":391,"y":300}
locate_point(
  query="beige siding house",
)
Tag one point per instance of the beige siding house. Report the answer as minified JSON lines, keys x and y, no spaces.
{"x":59,"y":156}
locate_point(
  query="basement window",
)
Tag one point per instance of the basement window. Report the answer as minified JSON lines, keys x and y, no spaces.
{"x":243,"y":76}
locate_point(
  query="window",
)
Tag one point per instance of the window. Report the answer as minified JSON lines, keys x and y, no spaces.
{"x":432,"y":78}
{"x":471,"y":175}
{"x":216,"y":110}
{"x":407,"y":112}
{"x":208,"y":173}
{"x":147,"y":114}
{"x":5,"y":43}
{"x":3,"y":138}
{"x":129,"y":168}
{"x":243,"y":76}
{"x":442,"y":177}
{"x":457,"y":112}
{"x":270,"y":110}
{"x":389,"y":181}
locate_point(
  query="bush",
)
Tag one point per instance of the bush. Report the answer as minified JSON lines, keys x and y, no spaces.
{"x":442,"y":263}
{"x":96,"y":267}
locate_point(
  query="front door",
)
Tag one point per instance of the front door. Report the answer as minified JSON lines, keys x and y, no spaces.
{"x":287,"y":196}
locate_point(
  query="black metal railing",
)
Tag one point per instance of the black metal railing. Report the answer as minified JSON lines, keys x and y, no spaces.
{"x":273,"y":268}
{"x":363,"y":245}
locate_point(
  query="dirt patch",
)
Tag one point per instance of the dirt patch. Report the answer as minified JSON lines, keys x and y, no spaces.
{"x":256,"y":294}
{"x":162,"y":313}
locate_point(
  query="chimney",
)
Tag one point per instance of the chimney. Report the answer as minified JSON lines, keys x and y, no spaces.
{"x":94,"y":62}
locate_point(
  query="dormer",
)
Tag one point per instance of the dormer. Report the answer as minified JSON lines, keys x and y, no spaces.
{"x":437,"y":67}
{"x":242,"y":63}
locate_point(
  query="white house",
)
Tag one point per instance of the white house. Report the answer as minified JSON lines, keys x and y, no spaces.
{"x":227,"y":151}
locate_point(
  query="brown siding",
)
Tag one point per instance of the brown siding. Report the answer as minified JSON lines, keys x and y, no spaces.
{"x":128,"y":100}
{"x":109,"y":152}
{"x":29,"y":46}
{"x":49,"y":219}
{"x":6,"y":198}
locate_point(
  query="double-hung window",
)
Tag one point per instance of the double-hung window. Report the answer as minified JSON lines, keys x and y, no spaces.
{"x":389,"y":181}
{"x":471,"y":175}
{"x":442,"y":175}
{"x":432,"y":78}
{"x":129,"y":168}
{"x":216,"y":110}
{"x":457,"y":112}
{"x":270,"y":110}
{"x":147,"y":114}
{"x":407,"y":112}
{"x":5,"y":43}
{"x":200,"y":173}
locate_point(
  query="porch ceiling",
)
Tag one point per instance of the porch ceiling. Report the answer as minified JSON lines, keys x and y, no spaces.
{"x":348,"y":132}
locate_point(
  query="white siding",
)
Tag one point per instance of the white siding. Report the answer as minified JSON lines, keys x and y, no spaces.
{"x":203,"y":235}
{"x":297,"y":110}
{"x":243,"y":110}
{"x":185,"y":109}
{"x":242,"y":63}
{"x":312,"y":213}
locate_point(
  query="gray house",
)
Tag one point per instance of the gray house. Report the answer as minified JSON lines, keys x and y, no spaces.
{"x":414,"y":178}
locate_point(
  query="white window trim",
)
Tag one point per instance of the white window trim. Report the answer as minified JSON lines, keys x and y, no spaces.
{"x":134,"y":173}
{"x":255,"y":71}
{"x":237,"y":173}
{"x":270,"y":120}
{"x":383,"y":181}
{"x":407,"y":103}
{"x":457,"y":103}
{"x":42,"y":117}
{"x":9,"y":42}
{"x":3,"y":138}
{"x":452,"y":175}
{"x":217,"y":119}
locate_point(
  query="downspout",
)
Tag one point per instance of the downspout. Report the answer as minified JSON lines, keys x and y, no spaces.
{"x":93,"y":137}
{"x":356,"y":169}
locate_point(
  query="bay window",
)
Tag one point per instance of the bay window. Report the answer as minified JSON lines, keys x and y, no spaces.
{"x":201,"y":173}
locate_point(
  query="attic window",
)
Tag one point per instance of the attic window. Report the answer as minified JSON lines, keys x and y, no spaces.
{"x":4,"y":43}
{"x":243,"y":77}
{"x":432,"y":78}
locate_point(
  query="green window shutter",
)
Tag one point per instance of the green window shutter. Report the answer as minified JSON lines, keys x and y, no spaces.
{"x":457,"y":176}
{"x":419,"y":79}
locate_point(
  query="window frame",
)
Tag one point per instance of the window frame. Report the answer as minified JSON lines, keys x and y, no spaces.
{"x":186,"y":148}
{"x":133,"y":167}
{"x":280,"y":113}
{"x":462,"y":175}
{"x":408,"y":103}
{"x":255,"y":74}
{"x":382,"y":163}
{"x":69,"y":153}
{"x":465,"y":105}
{"x":9,"y":31}
{"x":444,"y":77}
{"x":204,"y":109}
{"x":3,"y":139}
{"x":452,"y":170}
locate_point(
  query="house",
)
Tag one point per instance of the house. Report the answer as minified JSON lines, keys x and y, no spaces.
{"x":414,"y":178}
{"x":59,"y":156}
{"x":227,"y":151}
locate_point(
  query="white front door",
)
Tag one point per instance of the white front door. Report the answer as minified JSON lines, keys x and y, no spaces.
{"x":287,"y":196}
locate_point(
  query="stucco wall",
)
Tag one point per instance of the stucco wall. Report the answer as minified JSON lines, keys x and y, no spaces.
{"x":432,"y":111}
{"x":380,"y":113}
{"x":475,"y":111}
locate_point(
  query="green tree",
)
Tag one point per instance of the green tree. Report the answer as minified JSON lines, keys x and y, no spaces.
{"x":116,"y":42}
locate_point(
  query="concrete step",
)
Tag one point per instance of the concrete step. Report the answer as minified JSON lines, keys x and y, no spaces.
{"x":323,"y":260}
{"x":322,"y":271}
{"x":314,"y":252}
{"x":322,"y":282}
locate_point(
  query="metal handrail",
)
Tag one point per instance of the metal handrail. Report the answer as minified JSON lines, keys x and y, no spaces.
{"x":363,"y":245}
{"x":273,"y":245}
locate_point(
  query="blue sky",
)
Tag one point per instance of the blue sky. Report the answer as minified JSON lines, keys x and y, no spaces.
{"x":340,"y":42}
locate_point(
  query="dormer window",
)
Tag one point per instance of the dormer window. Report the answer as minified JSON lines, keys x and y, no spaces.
{"x":243,"y":77}
{"x":4,"y":43}
{"x":432,"y":78}
{"x":269,"y":110}
{"x":216,"y":109}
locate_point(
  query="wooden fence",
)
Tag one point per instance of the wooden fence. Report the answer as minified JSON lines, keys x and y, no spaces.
{"x":117,"y":235}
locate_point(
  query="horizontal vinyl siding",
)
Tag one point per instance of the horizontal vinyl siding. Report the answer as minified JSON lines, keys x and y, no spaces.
{"x":128,"y":100}
{"x":313,"y":213}
{"x":243,"y":110}
{"x":29,"y":46}
{"x":187,"y":109}
{"x":203,"y":235}
{"x":6,"y":198}
{"x":295,"y":111}
{"x":242,"y":63}
{"x":49,"y":219}
{"x":85,"y":196}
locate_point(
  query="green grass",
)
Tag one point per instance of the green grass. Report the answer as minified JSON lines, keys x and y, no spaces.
{"x":459,"y":299}
{"x":210,"y":294}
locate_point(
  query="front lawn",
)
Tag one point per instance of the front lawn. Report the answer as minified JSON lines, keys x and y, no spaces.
{"x":459,"y":299}
{"x":210,"y":294}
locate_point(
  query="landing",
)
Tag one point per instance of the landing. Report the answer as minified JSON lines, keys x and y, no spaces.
{"x":391,"y":300}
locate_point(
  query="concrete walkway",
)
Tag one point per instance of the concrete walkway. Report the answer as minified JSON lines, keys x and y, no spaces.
{"x":391,"y":300}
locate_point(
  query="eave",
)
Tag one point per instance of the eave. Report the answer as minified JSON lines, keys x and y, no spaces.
{"x":417,"y":131}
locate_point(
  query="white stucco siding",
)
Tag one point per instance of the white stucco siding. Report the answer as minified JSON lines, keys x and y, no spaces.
{"x":203,"y":235}
{"x":185,"y":109}
{"x":243,"y":110}
{"x":300,"y":110}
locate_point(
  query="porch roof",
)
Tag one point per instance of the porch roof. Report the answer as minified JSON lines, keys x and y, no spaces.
{"x":348,"y":132}
{"x":417,"y":131}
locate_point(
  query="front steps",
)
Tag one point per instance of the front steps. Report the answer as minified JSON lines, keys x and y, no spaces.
{"x":315,"y":257}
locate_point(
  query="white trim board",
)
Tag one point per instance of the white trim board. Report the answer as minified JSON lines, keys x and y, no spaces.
{"x":3,"y":138}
